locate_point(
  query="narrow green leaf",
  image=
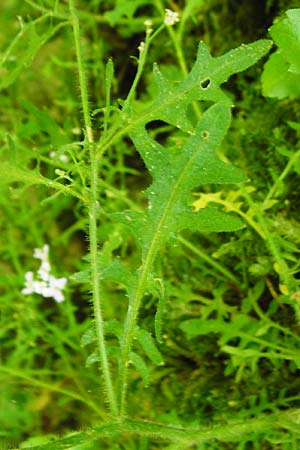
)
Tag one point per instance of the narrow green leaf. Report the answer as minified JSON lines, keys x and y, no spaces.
{"x":141,"y":367}
{"x":92,"y":359}
{"x":147,"y":342}
{"x":88,"y":337}
{"x":243,"y":353}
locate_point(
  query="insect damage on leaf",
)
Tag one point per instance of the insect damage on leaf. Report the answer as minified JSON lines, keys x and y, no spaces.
{"x":202,"y":83}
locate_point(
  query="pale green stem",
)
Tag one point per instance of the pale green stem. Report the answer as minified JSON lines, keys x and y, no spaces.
{"x":134,"y":306}
{"x":135,"y":303}
{"x":93,"y":207}
{"x":209,"y":260}
{"x":142,"y":59}
{"x":130,"y":324}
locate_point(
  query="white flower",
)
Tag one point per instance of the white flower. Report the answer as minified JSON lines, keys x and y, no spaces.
{"x":41,"y":253}
{"x":29,"y":284}
{"x":44,"y":271}
{"x":45,"y":284}
{"x":57,"y":283}
{"x":171,"y":17}
{"x":63,"y":158}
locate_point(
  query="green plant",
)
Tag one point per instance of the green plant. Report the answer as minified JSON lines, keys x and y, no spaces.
{"x":280,"y":78}
{"x":177,"y":126}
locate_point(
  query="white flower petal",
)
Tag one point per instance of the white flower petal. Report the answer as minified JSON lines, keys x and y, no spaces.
{"x":57,"y":283}
{"x":44,"y":271}
{"x":27,"y":291}
{"x":171,"y":17}
{"x":41,"y":253}
{"x":46,"y":284}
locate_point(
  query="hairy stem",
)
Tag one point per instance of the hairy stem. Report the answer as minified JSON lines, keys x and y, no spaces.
{"x":183,"y":438}
{"x":157,"y":239}
{"x":130,"y":324}
{"x":142,"y":59}
{"x":92,"y":212}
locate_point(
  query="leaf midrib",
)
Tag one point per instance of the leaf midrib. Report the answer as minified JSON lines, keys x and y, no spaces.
{"x":157,"y":237}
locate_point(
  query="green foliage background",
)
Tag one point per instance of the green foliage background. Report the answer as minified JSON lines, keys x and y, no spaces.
{"x":229,"y":334}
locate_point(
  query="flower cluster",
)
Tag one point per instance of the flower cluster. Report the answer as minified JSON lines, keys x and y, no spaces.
{"x":171,"y":17}
{"x":44,"y":284}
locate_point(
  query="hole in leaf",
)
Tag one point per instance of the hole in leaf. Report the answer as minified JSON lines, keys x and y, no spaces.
{"x":159,"y":130}
{"x":205,"y":83}
{"x":205,"y":134}
{"x":162,"y":132}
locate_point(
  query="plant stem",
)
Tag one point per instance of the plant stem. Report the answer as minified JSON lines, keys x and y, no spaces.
{"x":207,"y":258}
{"x":280,"y":179}
{"x":157,"y":239}
{"x":182,"y":438}
{"x":142,"y":60}
{"x":130,"y":324}
{"x":92,"y":212}
{"x":134,"y":307}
